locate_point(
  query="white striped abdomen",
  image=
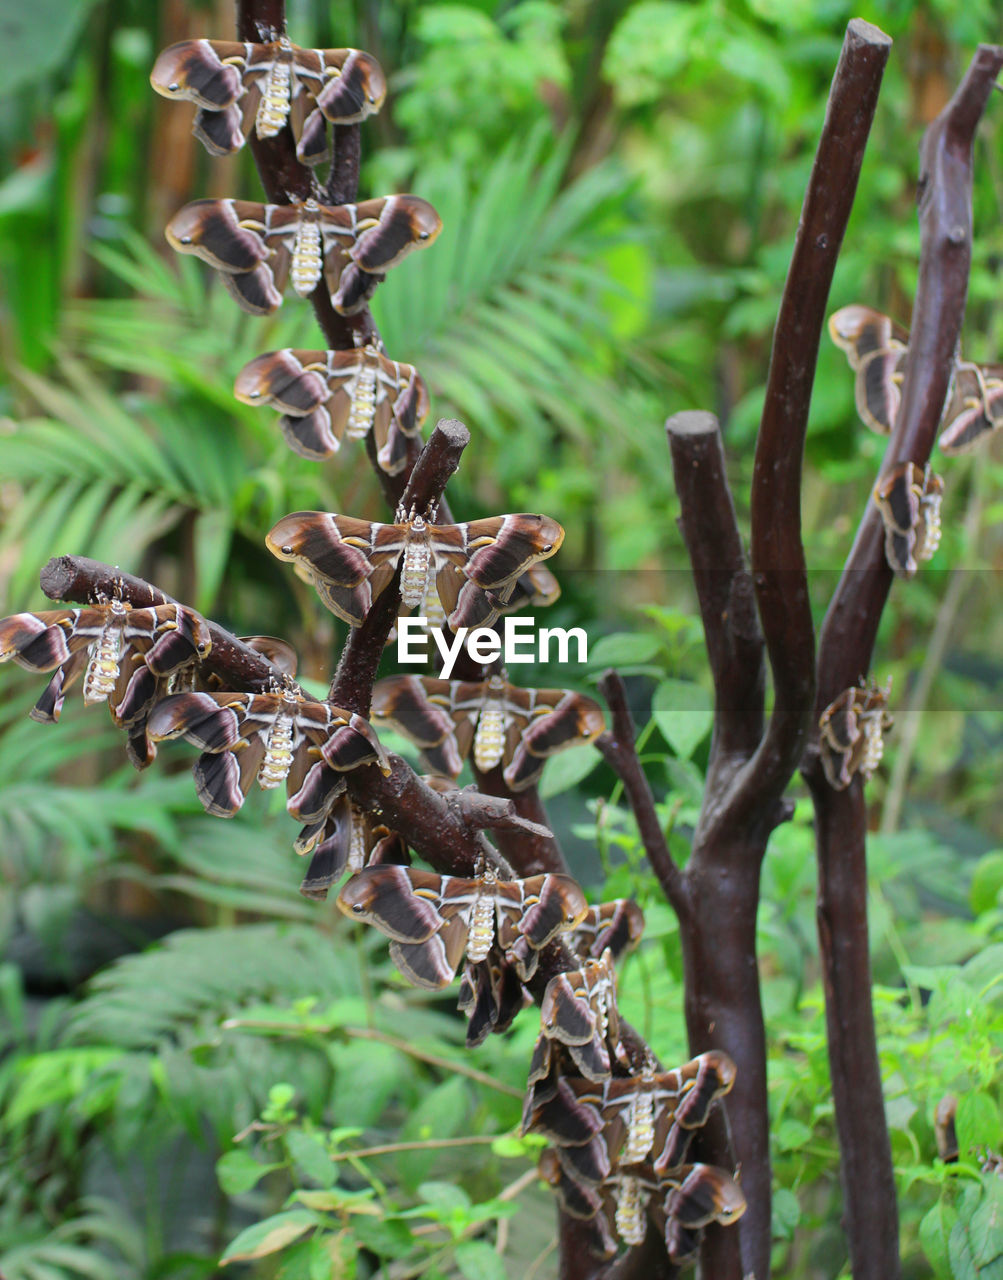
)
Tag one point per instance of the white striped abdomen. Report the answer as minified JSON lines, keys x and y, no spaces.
{"x":273,"y":109}
{"x":417,"y":564}
{"x":363,"y":410}
{"x":308,"y":259}
{"x":640,"y":1128}
{"x":630,"y":1223}
{"x":489,"y":740}
{"x":482,"y":922}
{"x":102,"y":665}
{"x":278,"y":753}
{"x":357,"y":842}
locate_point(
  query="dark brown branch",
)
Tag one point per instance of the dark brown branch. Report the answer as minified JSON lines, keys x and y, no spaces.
{"x":778,"y":563}
{"x":352,"y":686}
{"x":531,"y":855}
{"x":845,"y":653}
{"x":724,"y":588}
{"x":482,"y":812}
{"x":78,"y":579}
{"x":617,"y":748}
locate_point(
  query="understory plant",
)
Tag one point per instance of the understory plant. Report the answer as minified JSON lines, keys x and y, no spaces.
{"x":299,"y":1049}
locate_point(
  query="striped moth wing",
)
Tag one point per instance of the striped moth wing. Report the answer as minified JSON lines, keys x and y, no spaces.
{"x":579,"y":1201}
{"x":269,"y":737}
{"x":617,"y":925}
{"x":325,"y":397}
{"x":433,"y":920}
{"x":909,"y":500}
{"x":343,"y":838}
{"x":974,"y":407}
{"x":579,"y":1011}
{"x":703,"y":1194}
{"x":238,"y":87}
{"x":499,"y":723}
{"x":851,"y":733}
{"x":256,"y":248}
{"x":491,"y":994}
{"x":120,"y":652}
{"x":352,"y":561}
{"x":877,"y":351}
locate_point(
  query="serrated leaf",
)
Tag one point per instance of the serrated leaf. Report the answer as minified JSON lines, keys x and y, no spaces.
{"x":684,"y":714}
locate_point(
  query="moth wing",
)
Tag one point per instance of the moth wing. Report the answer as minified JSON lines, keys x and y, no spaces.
{"x":136,"y":689}
{"x":220,"y":132}
{"x":353,"y":743}
{"x":287,"y":380}
{"x":356,"y":92}
{"x":38,"y":641}
{"x":254,"y":291}
{"x":432,"y":964}
{"x":313,"y":144}
{"x":50,"y":704}
{"x":539,"y":908}
{"x":420,"y":709}
{"x":860,"y":331}
{"x":349,"y":287}
{"x":565,"y":1014}
{"x":570,"y":720}
{"x":223,"y":779}
{"x":212,"y":722}
{"x":495,"y":551}
{"x":402,"y":902}
{"x":974,"y":409}
{"x":591,"y":1058}
{"x":200,"y":71}
{"x":213,"y":231}
{"x":400,"y":224}
{"x":878,"y":387}
{"x":330,"y":855}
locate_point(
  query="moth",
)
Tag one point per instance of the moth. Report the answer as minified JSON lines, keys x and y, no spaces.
{"x":256,"y":248}
{"x":704,"y":1194}
{"x":974,"y":409}
{"x":491,"y":994}
{"x":620,"y":1121}
{"x":238,"y":87}
{"x":878,"y":352}
{"x":270,"y":738}
{"x":434,"y":920}
{"x":579,"y":1014}
{"x":343,"y":838}
{"x":351,"y":561}
{"x":617,"y":925}
{"x":492,"y":720}
{"x":909,"y":500}
{"x":851,"y":733}
{"x":126,"y":657}
{"x":325,"y":397}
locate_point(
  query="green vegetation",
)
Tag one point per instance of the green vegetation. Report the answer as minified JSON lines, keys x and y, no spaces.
{"x":627,"y":180}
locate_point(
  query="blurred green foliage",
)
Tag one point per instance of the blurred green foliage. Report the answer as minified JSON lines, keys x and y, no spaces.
{"x":620,"y":185}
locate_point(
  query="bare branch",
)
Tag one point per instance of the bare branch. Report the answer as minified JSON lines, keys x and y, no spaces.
{"x":617,"y":748}
{"x":723,"y":585}
{"x":777,"y":555}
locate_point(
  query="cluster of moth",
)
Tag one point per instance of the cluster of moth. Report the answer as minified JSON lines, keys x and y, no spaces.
{"x":620,"y":1130}
{"x":908,"y":497}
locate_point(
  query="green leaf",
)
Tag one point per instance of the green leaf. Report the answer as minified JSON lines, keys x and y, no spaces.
{"x":444,"y":1197}
{"x":477,"y":1260}
{"x":386,"y":1238}
{"x":238,"y":1171}
{"x":442,"y":1113}
{"x":985,"y":1229}
{"x":934,"y":1233}
{"x":269,"y":1236}
{"x":987,"y":883}
{"x":977,"y":1123}
{"x":311,"y":1157}
{"x":786,"y":1213}
{"x":37,"y":38}
{"x":624,"y":649}
{"x":684,"y":714}
{"x":566,"y":769}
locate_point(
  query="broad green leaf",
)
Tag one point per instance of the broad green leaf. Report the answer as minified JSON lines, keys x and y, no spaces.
{"x":311,"y":1157}
{"x":624,"y":649}
{"x":269,"y":1236}
{"x":934,"y":1233}
{"x":477,"y":1260}
{"x":987,"y":883}
{"x":442,"y":1113}
{"x":238,"y":1171}
{"x":444,"y":1197}
{"x":978,"y":1124}
{"x":566,"y":769}
{"x":684,"y":714}
{"x":37,"y":39}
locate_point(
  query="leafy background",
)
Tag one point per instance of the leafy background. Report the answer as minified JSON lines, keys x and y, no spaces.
{"x":620,"y":184}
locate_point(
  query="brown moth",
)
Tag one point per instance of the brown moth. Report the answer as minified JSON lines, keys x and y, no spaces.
{"x":877,"y":350}
{"x":851,"y":733}
{"x":269,"y":737}
{"x":434,"y":920}
{"x":256,"y":248}
{"x":621,"y":1121}
{"x":579,"y":1016}
{"x":909,"y":500}
{"x":126,"y":657}
{"x":342,"y":838}
{"x":491,"y":994}
{"x":617,"y":925}
{"x":351,"y":561}
{"x":238,"y":86}
{"x":325,"y":397}
{"x":495,"y":722}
